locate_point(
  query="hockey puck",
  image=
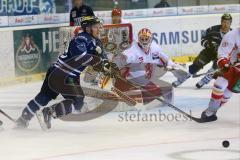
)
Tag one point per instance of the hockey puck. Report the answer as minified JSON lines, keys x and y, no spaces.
{"x":225,"y":144}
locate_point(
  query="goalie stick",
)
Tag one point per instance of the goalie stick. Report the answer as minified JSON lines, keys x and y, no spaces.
{"x":198,"y":120}
{"x":128,"y":100}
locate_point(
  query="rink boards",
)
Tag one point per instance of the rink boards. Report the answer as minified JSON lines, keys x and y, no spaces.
{"x":179,"y":36}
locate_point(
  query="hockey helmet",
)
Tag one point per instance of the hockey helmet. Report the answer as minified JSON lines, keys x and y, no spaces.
{"x":88,"y":21}
{"x":226,"y":16}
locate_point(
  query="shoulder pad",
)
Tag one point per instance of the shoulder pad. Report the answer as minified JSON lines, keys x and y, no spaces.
{"x":81,"y":38}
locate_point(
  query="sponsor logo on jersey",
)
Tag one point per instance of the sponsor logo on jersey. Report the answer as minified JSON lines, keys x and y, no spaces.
{"x":28,"y":55}
{"x":77,"y":21}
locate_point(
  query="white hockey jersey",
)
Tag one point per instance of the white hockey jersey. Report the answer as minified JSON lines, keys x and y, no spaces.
{"x":144,"y":64}
{"x":230,"y":46}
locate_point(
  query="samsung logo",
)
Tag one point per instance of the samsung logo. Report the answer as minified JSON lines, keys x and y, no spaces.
{"x":178,"y":37}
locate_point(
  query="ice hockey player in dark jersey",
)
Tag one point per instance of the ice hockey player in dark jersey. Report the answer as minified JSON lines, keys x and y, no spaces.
{"x":211,"y":40}
{"x":78,"y":11}
{"x":84,"y":50}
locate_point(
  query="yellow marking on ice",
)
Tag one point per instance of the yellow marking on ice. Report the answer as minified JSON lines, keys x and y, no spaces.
{"x":21,"y":79}
{"x":184,"y":59}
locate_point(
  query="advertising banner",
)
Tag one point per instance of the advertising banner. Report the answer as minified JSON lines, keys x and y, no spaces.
{"x":53,"y":18}
{"x":156,"y":12}
{"x":235,"y":8}
{"x":35,"y":50}
{"x":22,"y":20}
{"x":138,"y":13}
{"x":3,"y":21}
{"x":3,"y":8}
{"x":30,"y":12}
{"x":192,"y":10}
{"x":180,"y":35}
{"x":27,"y":7}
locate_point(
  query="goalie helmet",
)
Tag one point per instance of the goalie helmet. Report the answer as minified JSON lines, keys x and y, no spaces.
{"x":145,"y":38}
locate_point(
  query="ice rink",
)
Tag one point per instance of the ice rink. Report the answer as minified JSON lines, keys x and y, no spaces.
{"x":110,"y":138}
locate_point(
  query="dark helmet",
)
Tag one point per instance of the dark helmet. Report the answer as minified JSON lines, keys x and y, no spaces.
{"x":88,"y":21}
{"x":226,"y":16}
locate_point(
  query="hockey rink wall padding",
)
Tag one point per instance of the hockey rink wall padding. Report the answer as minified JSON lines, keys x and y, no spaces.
{"x":179,"y":36}
{"x":35,"y":50}
{"x":6,"y":53}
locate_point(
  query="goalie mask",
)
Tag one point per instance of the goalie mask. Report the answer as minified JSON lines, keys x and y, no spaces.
{"x":145,"y":39}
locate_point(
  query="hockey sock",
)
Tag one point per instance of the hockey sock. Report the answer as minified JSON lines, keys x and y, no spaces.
{"x":34,"y":105}
{"x":219,"y":88}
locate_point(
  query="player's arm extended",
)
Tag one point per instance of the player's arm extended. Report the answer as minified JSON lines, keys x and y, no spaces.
{"x":165,"y":61}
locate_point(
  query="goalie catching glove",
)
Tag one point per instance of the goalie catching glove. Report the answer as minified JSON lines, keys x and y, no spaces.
{"x":106,"y":67}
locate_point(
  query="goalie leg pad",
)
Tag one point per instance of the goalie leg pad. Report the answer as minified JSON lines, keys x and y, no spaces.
{"x":149,"y":92}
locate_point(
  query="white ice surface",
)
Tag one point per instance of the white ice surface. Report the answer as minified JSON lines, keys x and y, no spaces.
{"x":106,"y":138}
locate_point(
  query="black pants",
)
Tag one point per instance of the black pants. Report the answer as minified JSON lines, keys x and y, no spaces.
{"x":205,"y":56}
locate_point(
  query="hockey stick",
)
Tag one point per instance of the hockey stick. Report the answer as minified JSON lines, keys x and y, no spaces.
{"x":203,"y":74}
{"x":198,"y":120}
{"x":7,"y":116}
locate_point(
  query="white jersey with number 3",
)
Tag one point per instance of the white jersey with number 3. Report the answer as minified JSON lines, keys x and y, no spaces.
{"x":143,"y":64}
{"x":230,"y":46}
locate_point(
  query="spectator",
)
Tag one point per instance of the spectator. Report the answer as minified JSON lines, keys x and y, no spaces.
{"x":162,"y":4}
{"x":79,"y":10}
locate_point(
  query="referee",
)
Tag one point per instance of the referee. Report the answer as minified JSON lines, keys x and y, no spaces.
{"x":79,"y":10}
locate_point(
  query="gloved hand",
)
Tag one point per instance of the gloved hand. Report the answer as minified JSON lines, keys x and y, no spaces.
{"x":211,"y":45}
{"x":110,"y":69}
{"x":224,"y":64}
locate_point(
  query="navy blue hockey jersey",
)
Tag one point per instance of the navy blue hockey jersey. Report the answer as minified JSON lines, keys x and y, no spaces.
{"x":80,"y":54}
